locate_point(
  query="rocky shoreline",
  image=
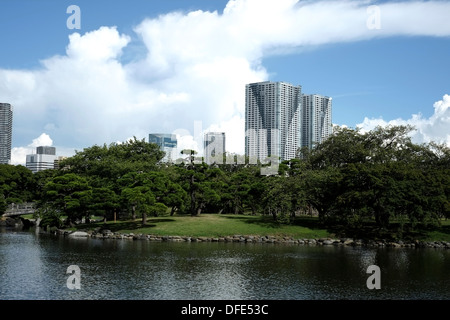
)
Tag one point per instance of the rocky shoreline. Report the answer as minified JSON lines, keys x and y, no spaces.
{"x":100,"y":233}
{"x":108,"y":234}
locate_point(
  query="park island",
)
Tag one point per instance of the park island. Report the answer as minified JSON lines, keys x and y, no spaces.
{"x":372,"y":186}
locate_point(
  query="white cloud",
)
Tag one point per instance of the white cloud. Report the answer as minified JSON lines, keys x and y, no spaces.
{"x":19,"y":154}
{"x":43,"y":140}
{"x":234,"y":129}
{"x":195,"y":68}
{"x":435,"y":128}
{"x":92,"y":47}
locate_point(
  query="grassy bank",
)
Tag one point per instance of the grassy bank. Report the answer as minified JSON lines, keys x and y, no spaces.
{"x":215,"y":225}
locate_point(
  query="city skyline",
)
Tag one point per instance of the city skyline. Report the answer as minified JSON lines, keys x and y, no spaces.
{"x":162,"y":66}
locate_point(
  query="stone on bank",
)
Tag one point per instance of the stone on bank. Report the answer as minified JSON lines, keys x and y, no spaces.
{"x":78,"y":234}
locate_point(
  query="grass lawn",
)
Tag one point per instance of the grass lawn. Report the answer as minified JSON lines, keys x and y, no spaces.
{"x":215,"y":225}
{"x":443,"y":234}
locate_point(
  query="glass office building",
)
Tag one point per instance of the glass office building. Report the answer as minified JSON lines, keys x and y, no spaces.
{"x":167,"y":143}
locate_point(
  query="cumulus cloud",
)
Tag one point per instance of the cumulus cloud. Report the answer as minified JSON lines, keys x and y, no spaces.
{"x":194,"y":68}
{"x":19,"y":154}
{"x":436,"y":128}
{"x":43,"y":140}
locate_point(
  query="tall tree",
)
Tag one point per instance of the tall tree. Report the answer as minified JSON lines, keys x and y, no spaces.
{"x":140,"y":198}
{"x":145,"y":192}
{"x":175,"y":196}
{"x":70,"y":194}
{"x":17,"y":184}
{"x":193,"y":174}
{"x":103,"y":201}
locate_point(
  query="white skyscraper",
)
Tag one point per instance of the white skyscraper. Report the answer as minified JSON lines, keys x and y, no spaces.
{"x":279,"y":120}
{"x":214,"y":147}
{"x":316,"y":119}
{"x":272,"y":120}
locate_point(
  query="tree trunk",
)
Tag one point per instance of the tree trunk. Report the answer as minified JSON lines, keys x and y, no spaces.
{"x":253,"y":210}
{"x":321,"y":214}
{"x":144,"y":218}
{"x":381,"y":216}
{"x":274,"y":214}
{"x":192,"y":194}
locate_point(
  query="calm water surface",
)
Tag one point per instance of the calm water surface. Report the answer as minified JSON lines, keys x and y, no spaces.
{"x":33,"y":266}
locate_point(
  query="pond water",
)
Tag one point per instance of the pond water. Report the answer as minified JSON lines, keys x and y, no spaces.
{"x":34,"y":267}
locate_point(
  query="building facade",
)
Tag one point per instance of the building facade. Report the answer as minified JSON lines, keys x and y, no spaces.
{"x":6,"y":118}
{"x":280,"y":119}
{"x":43,"y":159}
{"x":214,"y":147}
{"x":316,"y":119}
{"x":57,"y":161}
{"x":272,"y":120}
{"x":167,"y":142}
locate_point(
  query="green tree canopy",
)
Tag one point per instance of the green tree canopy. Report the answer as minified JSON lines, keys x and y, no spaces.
{"x":109,"y":163}
{"x":69,"y":194}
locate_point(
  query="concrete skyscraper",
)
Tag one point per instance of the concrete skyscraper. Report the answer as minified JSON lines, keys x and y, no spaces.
{"x":214,"y":147}
{"x":316,"y":119}
{"x":272,"y":120}
{"x":6,"y":117}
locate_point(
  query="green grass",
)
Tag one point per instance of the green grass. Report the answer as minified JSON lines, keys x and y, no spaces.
{"x":215,"y":225}
{"x":440,"y":234}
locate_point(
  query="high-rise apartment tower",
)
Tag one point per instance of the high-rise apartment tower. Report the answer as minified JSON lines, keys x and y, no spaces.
{"x":6,"y":117}
{"x":279,"y":120}
{"x":316,"y":119}
{"x":272,"y":120}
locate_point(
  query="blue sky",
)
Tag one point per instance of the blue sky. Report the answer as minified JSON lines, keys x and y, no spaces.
{"x":389,"y":78}
{"x":162,"y":70}
{"x":38,"y":27}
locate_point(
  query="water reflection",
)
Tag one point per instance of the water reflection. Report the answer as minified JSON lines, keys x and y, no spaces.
{"x":22,"y":266}
{"x":34,"y":267}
